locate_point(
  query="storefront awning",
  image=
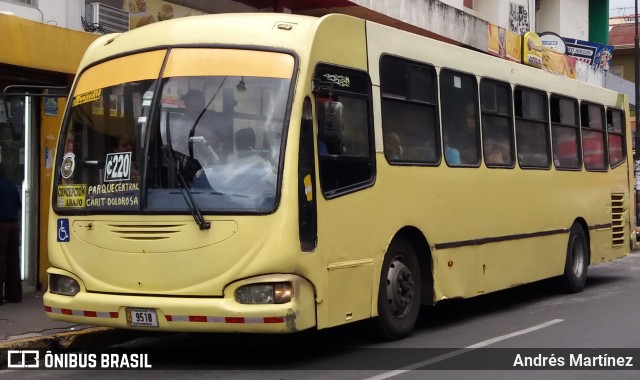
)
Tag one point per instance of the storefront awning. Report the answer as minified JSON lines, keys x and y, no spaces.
{"x":41,"y":46}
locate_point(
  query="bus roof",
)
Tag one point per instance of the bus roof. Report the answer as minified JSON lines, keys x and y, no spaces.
{"x":346,"y":36}
{"x":276,"y":30}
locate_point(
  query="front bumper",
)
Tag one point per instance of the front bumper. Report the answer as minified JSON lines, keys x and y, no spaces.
{"x":190,"y":314}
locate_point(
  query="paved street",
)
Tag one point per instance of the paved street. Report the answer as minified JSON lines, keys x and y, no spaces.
{"x":482,"y":333}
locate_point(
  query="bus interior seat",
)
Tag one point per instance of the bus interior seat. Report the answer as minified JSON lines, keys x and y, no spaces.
{"x":245,"y":140}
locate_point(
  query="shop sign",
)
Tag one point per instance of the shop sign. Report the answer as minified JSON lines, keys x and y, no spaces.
{"x":50,"y":106}
{"x":532,"y":50}
{"x":594,"y":54}
{"x":553,"y":41}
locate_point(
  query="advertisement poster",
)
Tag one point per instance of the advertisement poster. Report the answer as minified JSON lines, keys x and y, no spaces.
{"x":518,"y":18}
{"x":504,"y":43}
{"x":594,"y":54}
{"x":558,"y":63}
{"x":514,"y":46}
{"x":497,"y":40}
{"x":144,"y":12}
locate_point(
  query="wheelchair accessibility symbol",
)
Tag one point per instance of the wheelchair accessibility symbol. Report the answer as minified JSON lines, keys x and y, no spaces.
{"x":63,"y":230}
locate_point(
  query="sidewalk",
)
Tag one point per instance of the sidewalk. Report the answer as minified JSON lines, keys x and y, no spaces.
{"x":25,"y":325}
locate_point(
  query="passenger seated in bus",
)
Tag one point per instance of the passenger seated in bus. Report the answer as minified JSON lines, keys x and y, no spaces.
{"x":392,"y":147}
{"x":323,"y":149}
{"x":329,"y":114}
{"x":451,"y":154}
{"x":245,"y":141}
{"x":193,"y":116}
{"x":244,"y":172}
{"x":197,"y":121}
{"x":492,"y":153}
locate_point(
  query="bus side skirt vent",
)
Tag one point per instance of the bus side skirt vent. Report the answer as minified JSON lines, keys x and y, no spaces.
{"x":617,"y":220}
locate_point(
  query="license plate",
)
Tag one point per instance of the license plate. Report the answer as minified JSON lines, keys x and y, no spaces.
{"x":141,"y":317}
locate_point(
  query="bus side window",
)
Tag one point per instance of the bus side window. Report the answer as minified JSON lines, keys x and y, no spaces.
{"x":532,"y":131}
{"x":615,"y":133}
{"x":593,"y":136}
{"x":345,"y":132}
{"x":460,"y":121}
{"x":329,"y":126}
{"x":565,"y":133}
{"x":409,"y":111}
{"x":497,"y":123}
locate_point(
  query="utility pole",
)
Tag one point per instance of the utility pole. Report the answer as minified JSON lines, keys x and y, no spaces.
{"x":636,"y":51}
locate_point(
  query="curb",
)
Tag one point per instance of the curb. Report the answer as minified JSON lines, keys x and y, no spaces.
{"x":55,"y":341}
{"x":89,"y":338}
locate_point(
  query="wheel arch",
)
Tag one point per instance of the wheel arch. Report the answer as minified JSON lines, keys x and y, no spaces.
{"x":419,"y":242}
{"x":585,"y":227}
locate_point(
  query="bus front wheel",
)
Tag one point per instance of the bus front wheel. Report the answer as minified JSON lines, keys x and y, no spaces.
{"x":575,"y":267}
{"x":399,"y":294}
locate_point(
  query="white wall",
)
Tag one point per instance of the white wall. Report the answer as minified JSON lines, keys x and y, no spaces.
{"x":568,"y":18}
{"x":497,"y":12}
{"x":456,"y":3}
{"x":434,"y":16}
{"x":63,"y":13}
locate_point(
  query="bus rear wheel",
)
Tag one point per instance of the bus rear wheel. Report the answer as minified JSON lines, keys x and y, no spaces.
{"x":575,"y":267}
{"x":400,"y":291}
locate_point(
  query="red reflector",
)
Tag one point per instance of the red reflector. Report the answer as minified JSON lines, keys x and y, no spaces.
{"x":90,"y":314}
{"x":197,"y":318}
{"x":273,"y":320}
{"x":67,"y":311}
{"x":234,"y":320}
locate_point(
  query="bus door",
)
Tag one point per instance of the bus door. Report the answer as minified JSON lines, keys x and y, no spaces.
{"x":346,"y":168}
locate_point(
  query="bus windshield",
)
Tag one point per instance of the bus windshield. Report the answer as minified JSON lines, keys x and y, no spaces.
{"x":205,"y":127}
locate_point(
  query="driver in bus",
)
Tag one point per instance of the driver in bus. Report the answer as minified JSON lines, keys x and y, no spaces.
{"x":124,"y":144}
{"x":196,"y":121}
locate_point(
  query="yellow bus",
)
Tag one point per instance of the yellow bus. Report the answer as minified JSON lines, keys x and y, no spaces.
{"x":273,"y":173}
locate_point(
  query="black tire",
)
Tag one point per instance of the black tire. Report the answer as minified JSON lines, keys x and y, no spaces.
{"x":399,"y":294}
{"x":575,"y":268}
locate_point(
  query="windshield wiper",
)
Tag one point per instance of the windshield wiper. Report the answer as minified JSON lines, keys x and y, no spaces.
{"x":191,"y":204}
{"x":184,"y":189}
{"x":192,"y":130}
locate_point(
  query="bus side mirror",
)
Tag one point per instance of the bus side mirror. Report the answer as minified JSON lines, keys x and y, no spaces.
{"x":330,"y":121}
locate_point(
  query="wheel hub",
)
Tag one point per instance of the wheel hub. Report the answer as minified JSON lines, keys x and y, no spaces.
{"x":400,"y":288}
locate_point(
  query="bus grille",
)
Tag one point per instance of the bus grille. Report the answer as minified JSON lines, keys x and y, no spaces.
{"x":145,"y":232}
{"x":617,"y":220}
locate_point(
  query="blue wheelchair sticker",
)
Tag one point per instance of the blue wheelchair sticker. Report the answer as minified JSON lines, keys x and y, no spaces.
{"x":63,"y":230}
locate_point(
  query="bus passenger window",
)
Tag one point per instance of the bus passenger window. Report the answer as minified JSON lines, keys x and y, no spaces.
{"x":565,"y":133}
{"x":409,"y":111}
{"x":532,"y":132}
{"x":497,"y":129}
{"x":460,"y":122}
{"x":615,"y":133}
{"x":593,"y":136}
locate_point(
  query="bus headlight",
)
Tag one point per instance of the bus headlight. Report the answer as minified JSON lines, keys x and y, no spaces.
{"x":280,"y":292}
{"x":63,"y":285}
